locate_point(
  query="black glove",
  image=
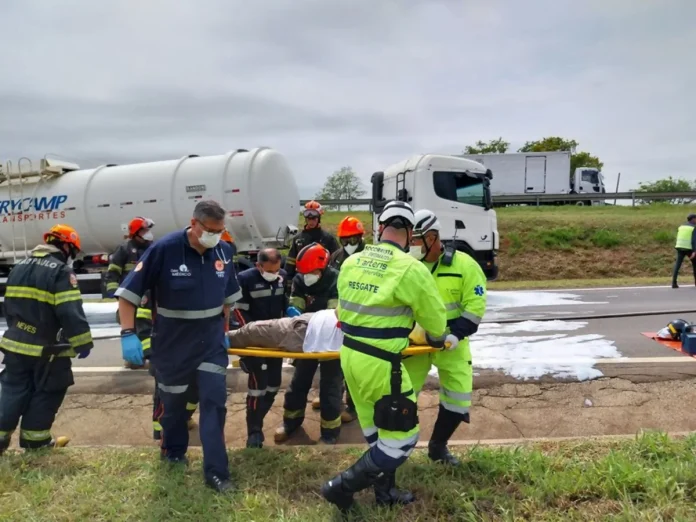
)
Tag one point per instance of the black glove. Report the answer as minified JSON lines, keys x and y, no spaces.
{"x":434,"y":342}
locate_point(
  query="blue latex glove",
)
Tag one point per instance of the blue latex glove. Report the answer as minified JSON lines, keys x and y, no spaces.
{"x":292,"y":311}
{"x":131,"y":348}
{"x":84,"y":355}
{"x":227,"y":342}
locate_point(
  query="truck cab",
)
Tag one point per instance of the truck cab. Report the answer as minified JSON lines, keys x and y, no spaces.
{"x":588,"y":180}
{"x":457,"y":190}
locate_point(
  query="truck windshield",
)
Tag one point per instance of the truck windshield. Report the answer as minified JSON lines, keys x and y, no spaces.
{"x":590,"y":176}
{"x":458,"y":186}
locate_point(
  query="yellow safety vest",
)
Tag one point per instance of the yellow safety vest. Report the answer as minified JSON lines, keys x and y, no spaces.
{"x":684,"y":234}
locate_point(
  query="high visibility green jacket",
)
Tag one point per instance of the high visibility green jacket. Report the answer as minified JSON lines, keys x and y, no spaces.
{"x":42,"y":298}
{"x":462,"y":286}
{"x":382,"y":290}
{"x":686,"y":239}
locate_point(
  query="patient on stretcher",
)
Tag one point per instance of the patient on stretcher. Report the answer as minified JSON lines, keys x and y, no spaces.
{"x":310,"y":333}
{"x":315,"y":332}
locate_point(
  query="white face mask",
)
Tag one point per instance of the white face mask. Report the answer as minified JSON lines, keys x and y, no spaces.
{"x":269,"y":276}
{"x":417,"y":252}
{"x":310,"y":279}
{"x":70,"y":262}
{"x":209,"y":240}
{"x":147,"y":236}
{"x":350,"y":249}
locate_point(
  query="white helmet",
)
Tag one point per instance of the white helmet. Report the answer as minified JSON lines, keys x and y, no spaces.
{"x":426,"y":221}
{"x":397,"y":209}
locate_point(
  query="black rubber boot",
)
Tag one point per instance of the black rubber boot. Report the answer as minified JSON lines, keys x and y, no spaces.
{"x":255,"y":440}
{"x":340,"y":489}
{"x":386,"y":493}
{"x":445,"y":425}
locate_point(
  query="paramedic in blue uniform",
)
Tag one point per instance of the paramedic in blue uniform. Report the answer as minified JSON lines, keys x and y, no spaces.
{"x":263,"y":297}
{"x":192,"y":284}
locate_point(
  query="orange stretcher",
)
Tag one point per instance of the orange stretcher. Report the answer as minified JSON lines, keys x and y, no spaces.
{"x":323,"y":356}
{"x":674,"y":345}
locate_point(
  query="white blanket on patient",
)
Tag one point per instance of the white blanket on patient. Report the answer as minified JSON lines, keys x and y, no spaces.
{"x":323,"y":335}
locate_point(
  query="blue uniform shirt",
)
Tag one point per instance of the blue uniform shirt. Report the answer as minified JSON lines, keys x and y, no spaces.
{"x":261,"y":300}
{"x":188,"y":291}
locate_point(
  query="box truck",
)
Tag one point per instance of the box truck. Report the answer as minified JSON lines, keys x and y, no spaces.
{"x":527,"y":173}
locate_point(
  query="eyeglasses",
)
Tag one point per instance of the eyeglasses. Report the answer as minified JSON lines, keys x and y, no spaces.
{"x":210,"y":231}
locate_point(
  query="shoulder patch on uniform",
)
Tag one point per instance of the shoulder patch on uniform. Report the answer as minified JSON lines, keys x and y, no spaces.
{"x":478,"y":290}
{"x":73,"y":280}
{"x":138,"y":267}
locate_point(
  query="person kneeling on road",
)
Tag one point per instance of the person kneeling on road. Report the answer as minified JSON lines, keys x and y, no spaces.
{"x":192,"y":278}
{"x":313,"y":289}
{"x":47,"y":327}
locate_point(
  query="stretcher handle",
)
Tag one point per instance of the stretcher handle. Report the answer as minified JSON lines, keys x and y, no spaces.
{"x":256,"y":351}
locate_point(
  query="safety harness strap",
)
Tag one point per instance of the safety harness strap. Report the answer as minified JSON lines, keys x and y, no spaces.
{"x":393,"y":358}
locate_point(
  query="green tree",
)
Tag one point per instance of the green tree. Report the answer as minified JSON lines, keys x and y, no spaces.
{"x":342,"y":184}
{"x":498,"y":146}
{"x":556,"y":143}
{"x":667,"y":185}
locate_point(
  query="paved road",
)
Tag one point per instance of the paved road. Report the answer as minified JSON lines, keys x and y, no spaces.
{"x":595,"y":301}
{"x":527,"y":305}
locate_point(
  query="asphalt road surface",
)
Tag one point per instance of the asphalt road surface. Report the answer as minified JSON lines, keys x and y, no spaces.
{"x":522,"y":305}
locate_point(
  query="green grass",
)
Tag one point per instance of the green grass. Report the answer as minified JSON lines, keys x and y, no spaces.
{"x":579,"y":243}
{"x":650,"y":478}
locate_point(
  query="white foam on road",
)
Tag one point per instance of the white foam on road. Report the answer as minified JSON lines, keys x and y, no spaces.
{"x":520,"y":299}
{"x":100,"y":308}
{"x":524,"y":357}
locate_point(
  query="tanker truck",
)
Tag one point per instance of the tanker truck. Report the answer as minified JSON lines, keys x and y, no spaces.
{"x":256,"y":187}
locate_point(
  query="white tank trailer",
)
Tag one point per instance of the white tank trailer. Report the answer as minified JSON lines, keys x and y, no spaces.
{"x":256,"y":187}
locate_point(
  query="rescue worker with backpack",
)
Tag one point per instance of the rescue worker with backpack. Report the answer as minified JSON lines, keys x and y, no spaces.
{"x":382,"y":290}
{"x":313,"y":289}
{"x":312,"y":233}
{"x":462,"y":286}
{"x":685,"y":247}
{"x":46,"y":328}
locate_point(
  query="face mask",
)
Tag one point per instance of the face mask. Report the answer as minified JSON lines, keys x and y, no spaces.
{"x":209,"y":240}
{"x":269,"y":276}
{"x":147,"y":236}
{"x":417,"y":252}
{"x":350,"y":249}
{"x":310,"y":279}
{"x":70,"y":262}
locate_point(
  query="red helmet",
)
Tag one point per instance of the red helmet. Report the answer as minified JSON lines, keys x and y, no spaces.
{"x":226,"y":237}
{"x":313,"y":209}
{"x":350,"y":226}
{"x":64,"y":234}
{"x":137,"y":224}
{"x":312,"y":257}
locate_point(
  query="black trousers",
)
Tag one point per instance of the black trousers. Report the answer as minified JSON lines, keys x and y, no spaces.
{"x":681,"y":254}
{"x":330,"y":392}
{"x":265,"y":375}
{"x":21,"y":398}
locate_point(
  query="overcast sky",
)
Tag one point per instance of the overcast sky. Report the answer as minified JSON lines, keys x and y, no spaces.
{"x":363,"y":83}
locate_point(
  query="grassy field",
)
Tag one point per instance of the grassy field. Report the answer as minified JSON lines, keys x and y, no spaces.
{"x":635,"y":244}
{"x":650,"y":478}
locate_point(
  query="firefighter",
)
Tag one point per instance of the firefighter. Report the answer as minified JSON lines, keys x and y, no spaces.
{"x":382,"y":290}
{"x":462,"y":285}
{"x":313,"y":289}
{"x":350,"y":234}
{"x":263,"y":297}
{"x":191,"y":277}
{"x":312,"y":233}
{"x":124,"y":259}
{"x":46,"y":328}
{"x":685,"y":247}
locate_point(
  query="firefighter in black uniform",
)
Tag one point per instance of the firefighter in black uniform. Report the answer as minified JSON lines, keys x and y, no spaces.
{"x":313,"y":289}
{"x":351,"y":233}
{"x":124,"y":259}
{"x":46,"y":328}
{"x":263,"y":297}
{"x":312,"y":233}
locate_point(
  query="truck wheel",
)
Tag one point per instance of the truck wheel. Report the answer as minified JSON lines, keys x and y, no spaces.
{"x":580,"y":203}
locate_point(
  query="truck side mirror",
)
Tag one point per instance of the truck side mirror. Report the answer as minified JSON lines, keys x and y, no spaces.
{"x":489,"y":174}
{"x":459,"y":224}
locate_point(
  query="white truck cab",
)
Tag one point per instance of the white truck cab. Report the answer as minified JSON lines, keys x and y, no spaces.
{"x":457,"y":190}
